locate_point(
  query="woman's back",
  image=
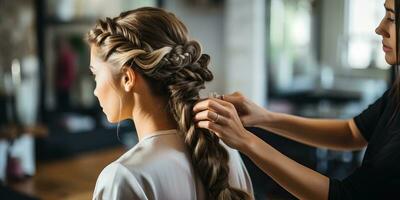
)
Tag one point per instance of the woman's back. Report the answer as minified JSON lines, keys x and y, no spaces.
{"x":159,"y":167}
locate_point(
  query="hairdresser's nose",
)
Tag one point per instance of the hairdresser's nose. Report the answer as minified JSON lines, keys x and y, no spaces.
{"x":380,"y":30}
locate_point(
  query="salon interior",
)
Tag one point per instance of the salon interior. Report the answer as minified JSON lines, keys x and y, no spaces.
{"x":312,"y":58}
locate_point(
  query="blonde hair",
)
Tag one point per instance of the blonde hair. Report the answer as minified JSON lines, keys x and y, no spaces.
{"x":155,"y":44}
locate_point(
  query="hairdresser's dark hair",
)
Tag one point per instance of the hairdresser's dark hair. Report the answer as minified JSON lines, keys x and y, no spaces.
{"x":395,"y":90}
{"x":155,"y":44}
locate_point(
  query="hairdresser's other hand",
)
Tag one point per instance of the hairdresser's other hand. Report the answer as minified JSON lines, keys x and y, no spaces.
{"x":251,"y":114}
{"x":221,"y":118}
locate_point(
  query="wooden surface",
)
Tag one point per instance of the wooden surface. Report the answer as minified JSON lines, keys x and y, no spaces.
{"x":70,"y":179}
{"x":13,"y":131}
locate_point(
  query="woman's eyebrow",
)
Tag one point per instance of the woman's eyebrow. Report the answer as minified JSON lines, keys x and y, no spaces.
{"x":388,"y":9}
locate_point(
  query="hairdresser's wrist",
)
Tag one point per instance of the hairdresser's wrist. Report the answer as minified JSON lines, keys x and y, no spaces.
{"x":268,"y":119}
{"x":247,"y":141}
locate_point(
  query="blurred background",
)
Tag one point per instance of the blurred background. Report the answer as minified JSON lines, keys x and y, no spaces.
{"x":313,"y":58}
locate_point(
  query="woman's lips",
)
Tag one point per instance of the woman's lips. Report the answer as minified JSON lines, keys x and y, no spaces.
{"x":386,"y":48}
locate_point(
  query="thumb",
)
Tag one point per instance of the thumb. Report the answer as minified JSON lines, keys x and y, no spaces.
{"x":235,"y":98}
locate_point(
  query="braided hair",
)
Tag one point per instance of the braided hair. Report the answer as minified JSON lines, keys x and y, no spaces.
{"x":155,"y":44}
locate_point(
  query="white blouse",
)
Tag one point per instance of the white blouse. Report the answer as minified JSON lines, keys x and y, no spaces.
{"x":159,"y":167}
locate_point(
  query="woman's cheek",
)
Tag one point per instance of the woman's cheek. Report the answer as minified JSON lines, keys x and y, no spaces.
{"x":99,"y":92}
{"x":108,"y":101}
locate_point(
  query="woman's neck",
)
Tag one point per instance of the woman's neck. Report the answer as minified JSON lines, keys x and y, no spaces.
{"x":151,"y":115}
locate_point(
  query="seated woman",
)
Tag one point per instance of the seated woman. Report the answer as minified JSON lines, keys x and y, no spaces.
{"x":146,"y":69}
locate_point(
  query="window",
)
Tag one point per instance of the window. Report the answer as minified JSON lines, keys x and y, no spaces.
{"x":292,"y":60}
{"x":364,"y":49}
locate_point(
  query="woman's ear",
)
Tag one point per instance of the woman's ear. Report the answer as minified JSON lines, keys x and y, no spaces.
{"x":128,"y":78}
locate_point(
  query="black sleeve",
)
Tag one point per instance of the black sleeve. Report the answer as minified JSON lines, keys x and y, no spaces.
{"x":377,"y":179}
{"x":367,"y":120}
{"x":365,"y":185}
{"x":350,"y":188}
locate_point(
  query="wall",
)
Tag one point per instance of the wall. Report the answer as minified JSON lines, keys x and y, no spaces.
{"x":333,"y":17}
{"x":205,"y":24}
{"x":233,"y":33}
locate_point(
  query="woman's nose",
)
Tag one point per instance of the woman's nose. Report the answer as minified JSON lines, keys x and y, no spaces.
{"x":380,"y":31}
{"x":95,"y":92}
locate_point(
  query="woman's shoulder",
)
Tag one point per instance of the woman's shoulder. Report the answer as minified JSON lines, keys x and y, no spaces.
{"x":156,"y":161}
{"x":129,"y":166}
{"x":117,"y":181}
{"x":388,"y":99}
{"x":112,"y":172}
{"x":154,"y":151}
{"x":151,"y":159}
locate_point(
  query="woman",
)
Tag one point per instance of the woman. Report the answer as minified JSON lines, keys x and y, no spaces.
{"x":146,"y":69}
{"x":377,"y":127}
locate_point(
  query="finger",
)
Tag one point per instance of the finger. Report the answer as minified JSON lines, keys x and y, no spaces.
{"x":224,"y":103}
{"x":229,"y":108}
{"x":234,"y":98}
{"x":209,"y":116}
{"x":209,"y":125}
{"x":237,"y":99}
{"x":211,"y":104}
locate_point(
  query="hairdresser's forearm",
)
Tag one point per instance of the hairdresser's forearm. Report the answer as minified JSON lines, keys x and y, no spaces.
{"x":333,"y":134}
{"x":297,"y":179}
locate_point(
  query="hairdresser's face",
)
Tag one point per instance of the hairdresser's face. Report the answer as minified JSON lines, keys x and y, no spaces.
{"x":107,"y":90}
{"x":387,"y":29}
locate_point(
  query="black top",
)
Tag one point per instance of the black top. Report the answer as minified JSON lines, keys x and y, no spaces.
{"x":378,"y":177}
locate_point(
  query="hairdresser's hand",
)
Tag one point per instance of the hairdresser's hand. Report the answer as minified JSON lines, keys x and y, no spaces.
{"x":222,"y":118}
{"x":251,"y":114}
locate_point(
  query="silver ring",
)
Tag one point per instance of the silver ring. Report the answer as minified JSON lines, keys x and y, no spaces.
{"x":216,"y":119}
